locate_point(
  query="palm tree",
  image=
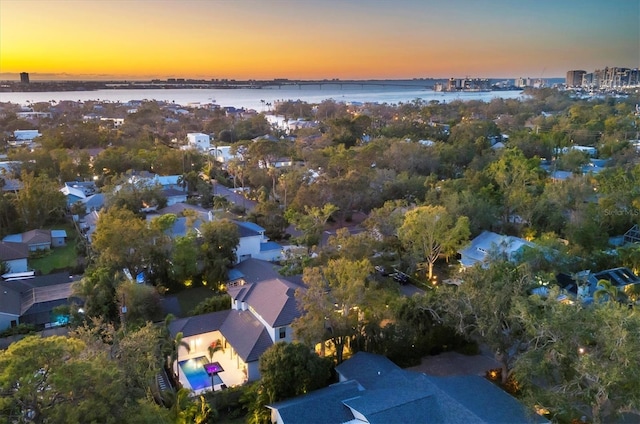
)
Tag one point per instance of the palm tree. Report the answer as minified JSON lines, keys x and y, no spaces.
{"x":177,"y":342}
{"x":630,"y":256}
{"x":186,"y":410}
{"x":605,"y":290}
{"x":214,"y":347}
{"x":632,"y":292}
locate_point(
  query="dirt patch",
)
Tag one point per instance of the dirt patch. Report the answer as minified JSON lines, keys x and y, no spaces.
{"x":454,"y":363}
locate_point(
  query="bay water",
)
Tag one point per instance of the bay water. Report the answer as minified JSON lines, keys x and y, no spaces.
{"x":261,"y":99}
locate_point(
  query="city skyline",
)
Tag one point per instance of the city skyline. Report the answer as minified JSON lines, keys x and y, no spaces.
{"x":312,"y":39}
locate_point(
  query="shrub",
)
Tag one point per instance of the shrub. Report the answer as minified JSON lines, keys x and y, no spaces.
{"x":21,"y":328}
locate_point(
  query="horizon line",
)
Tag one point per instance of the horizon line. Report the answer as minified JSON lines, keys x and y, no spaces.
{"x":186,"y":79}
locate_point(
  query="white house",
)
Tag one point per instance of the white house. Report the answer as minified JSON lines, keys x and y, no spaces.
{"x":488,"y":246}
{"x":33,"y":115}
{"x":14,"y":255}
{"x":272,"y":302}
{"x":117,"y":122}
{"x":254,"y":243}
{"x":261,"y":314}
{"x":39,"y":239}
{"x":223,"y":154}
{"x":199,"y":141}
{"x":31,"y":299}
{"x":25,"y":135}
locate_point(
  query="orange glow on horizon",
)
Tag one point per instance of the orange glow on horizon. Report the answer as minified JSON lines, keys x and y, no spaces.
{"x":268,"y":39}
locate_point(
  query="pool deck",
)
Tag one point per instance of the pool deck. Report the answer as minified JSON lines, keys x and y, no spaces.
{"x":230,"y":377}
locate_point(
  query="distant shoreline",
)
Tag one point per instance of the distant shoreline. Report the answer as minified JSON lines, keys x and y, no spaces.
{"x":62,"y":86}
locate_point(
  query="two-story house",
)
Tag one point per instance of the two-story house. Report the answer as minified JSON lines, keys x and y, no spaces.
{"x":261,"y":315}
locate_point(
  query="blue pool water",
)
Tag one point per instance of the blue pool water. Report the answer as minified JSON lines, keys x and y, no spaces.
{"x":193,"y":369}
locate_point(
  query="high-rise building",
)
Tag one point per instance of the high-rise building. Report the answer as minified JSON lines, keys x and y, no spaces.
{"x":24,"y":77}
{"x":574,"y":78}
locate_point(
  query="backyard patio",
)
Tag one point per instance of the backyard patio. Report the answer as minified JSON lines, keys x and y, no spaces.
{"x":193,"y":373}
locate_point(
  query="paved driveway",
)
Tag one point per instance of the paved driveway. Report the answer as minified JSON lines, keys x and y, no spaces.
{"x":454,"y":363}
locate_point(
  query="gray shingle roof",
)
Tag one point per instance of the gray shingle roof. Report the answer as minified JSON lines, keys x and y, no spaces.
{"x":198,"y":324}
{"x":367,"y":368}
{"x":9,"y":299}
{"x":10,"y":251}
{"x":254,"y":270}
{"x":392,"y":395}
{"x":487,"y":401}
{"x":246,"y":334}
{"x":320,"y":406}
{"x":36,"y":237}
{"x":246,"y":230}
{"x":274,"y":300}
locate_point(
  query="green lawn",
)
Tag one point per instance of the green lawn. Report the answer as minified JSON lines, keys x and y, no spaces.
{"x":59,"y":257}
{"x":189,"y":298}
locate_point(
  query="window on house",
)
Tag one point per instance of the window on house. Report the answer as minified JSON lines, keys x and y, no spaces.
{"x":283,"y":332}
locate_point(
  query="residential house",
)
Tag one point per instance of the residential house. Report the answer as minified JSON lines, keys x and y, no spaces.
{"x":199,"y":141}
{"x":272,"y":302}
{"x":261,"y":315}
{"x":23,"y":137}
{"x":223,"y":154}
{"x":84,"y":192}
{"x":33,"y":300}
{"x":170,"y":185}
{"x":255,"y":244}
{"x":15,"y":255}
{"x":372,"y":389}
{"x":174,"y":196}
{"x":26,"y":135}
{"x":489,"y":245}
{"x":582,"y":285}
{"x":8,"y":176}
{"x":39,"y":239}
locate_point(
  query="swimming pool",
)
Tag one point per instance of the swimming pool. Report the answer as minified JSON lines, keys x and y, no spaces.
{"x":193,"y":370}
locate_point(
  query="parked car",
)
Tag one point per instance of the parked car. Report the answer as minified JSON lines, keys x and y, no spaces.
{"x":382,"y":271}
{"x":401,"y":278}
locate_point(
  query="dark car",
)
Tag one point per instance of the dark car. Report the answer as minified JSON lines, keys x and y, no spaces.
{"x":382,"y":271}
{"x":401,"y":278}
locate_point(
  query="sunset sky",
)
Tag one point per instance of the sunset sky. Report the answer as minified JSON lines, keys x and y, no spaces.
{"x":315,"y":39}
